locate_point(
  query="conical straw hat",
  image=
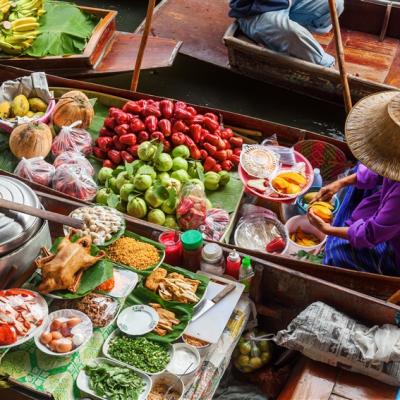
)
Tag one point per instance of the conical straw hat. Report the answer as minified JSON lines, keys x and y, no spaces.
{"x":373,"y":133}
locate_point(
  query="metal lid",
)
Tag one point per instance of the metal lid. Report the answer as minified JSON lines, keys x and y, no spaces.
{"x":16,"y":228}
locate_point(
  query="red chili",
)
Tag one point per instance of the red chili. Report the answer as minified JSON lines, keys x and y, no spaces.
{"x":8,"y":334}
{"x":212,"y":116}
{"x":229,"y":154}
{"x":217,"y":168}
{"x":235,"y":159}
{"x":121,"y":129}
{"x":115,"y":156}
{"x":164,"y":125}
{"x":195,"y":152}
{"x":108,"y":164}
{"x":104,"y":142}
{"x":143,"y":136}
{"x":211,"y":150}
{"x":213,"y":139}
{"x":209,"y":164}
{"x":126,"y":156}
{"x":276,"y":245}
{"x":178,"y":138}
{"x":109,"y":123}
{"x":167,"y":108}
{"x":210,"y":124}
{"x":227,"y":165}
{"x":157,"y":136}
{"x":195,"y":130}
{"x":151,"y":123}
{"x":236,"y":141}
{"x":137,"y":125}
{"x":221,"y":155}
{"x":132,"y":107}
{"x":129,"y":139}
{"x":133,"y":150}
{"x":105,"y":132}
{"x":227,"y":144}
{"x":221,"y":144}
{"x":99,"y":153}
{"x":151,"y":109}
{"x":180,"y":126}
{"x":226,"y":133}
{"x":189,"y":141}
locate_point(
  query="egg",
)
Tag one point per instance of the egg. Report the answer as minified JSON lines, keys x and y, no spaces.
{"x":56,"y":335}
{"x":46,"y":337}
{"x":53,"y":345}
{"x":63,"y":345}
{"x":73,"y":322}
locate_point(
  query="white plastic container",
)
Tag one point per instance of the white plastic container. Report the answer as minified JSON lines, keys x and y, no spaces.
{"x":302,"y":221}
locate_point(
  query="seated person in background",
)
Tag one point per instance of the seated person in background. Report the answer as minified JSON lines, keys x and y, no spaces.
{"x":284,"y":25}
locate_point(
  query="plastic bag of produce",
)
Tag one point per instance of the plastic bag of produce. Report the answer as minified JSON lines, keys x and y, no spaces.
{"x":192,"y":208}
{"x":74,"y":158}
{"x":72,"y":138}
{"x":253,"y":351}
{"x":35,"y":170}
{"x":215,"y":224}
{"x":74,"y":181}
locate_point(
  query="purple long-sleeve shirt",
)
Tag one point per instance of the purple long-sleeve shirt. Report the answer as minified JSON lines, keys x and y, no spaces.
{"x":377,"y":218}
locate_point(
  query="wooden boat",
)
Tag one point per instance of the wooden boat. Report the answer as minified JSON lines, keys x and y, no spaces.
{"x":108,"y":51}
{"x":371,"y":284}
{"x":370,"y":32}
{"x":279,"y":292}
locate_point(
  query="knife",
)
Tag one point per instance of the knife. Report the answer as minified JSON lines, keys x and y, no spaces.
{"x":207,"y":304}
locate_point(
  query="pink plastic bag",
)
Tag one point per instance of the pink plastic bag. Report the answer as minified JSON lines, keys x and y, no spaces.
{"x":74,"y":181}
{"x":74,"y":158}
{"x":35,"y":170}
{"x":72,"y":138}
{"x":217,"y":220}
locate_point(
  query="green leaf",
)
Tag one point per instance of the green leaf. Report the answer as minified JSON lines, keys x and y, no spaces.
{"x":200,"y":171}
{"x":113,"y":200}
{"x":118,"y":170}
{"x":159,"y":150}
{"x":64,"y":30}
{"x":228,"y":196}
{"x":172,"y":197}
{"x":161,"y":192}
{"x":129,"y":168}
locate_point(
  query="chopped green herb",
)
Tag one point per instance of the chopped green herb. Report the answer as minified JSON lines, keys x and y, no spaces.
{"x":141,"y":353}
{"x":114,"y":383}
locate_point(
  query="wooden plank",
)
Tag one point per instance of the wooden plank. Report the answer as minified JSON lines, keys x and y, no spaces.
{"x":336,"y":397}
{"x":359,"y":387}
{"x":199,"y":24}
{"x":393,"y":76}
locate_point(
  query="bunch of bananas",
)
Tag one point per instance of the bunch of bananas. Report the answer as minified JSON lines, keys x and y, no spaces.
{"x":20,"y":24}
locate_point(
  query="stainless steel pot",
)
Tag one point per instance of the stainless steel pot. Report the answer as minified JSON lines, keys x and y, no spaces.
{"x":21,"y":235}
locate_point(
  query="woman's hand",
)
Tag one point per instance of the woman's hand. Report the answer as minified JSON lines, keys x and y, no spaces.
{"x":318,"y":222}
{"x":326,"y":193}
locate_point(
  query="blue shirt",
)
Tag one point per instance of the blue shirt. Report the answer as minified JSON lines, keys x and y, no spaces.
{"x":247,"y":8}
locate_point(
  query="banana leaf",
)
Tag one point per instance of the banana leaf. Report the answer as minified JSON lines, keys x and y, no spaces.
{"x":183,"y":312}
{"x":226,"y":197}
{"x":201,"y":290}
{"x":64,"y":30}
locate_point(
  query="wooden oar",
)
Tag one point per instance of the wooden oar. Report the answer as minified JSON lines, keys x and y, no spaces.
{"x":340,"y":55}
{"x":143,"y":42}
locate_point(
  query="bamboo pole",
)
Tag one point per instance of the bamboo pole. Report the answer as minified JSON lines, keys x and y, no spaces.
{"x":340,"y":55}
{"x":143,"y":42}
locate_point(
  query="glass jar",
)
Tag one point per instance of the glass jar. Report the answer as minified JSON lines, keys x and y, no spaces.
{"x":192,"y":242}
{"x":212,"y":259}
{"x":173,"y":247}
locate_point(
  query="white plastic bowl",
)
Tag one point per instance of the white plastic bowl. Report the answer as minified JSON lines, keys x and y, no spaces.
{"x":302,"y":221}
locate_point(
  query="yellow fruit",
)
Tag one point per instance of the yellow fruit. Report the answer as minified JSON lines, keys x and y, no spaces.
{"x":20,"y":106}
{"x":293,"y":189}
{"x":280,"y":184}
{"x":293,"y":177}
{"x":39,"y":114}
{"x":30,"y":114}
{"x":37,"y":105}
{"x":323,"y":212}
{"x":5,"y":109}
{"x":309,"y":196}
{"x":304,"y":238}
{"x":325,"y":204}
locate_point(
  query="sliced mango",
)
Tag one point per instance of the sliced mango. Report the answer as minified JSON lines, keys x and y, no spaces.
{"x":293,"y":189}
{"x":280,"y":183}
{"x":309,"y":196}
{"x":294,"y":177}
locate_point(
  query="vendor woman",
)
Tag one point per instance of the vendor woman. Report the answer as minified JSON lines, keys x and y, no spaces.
{"x":365,"y":234}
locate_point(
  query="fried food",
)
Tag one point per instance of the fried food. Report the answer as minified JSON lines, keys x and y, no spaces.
{"x":64,"y":269}
{"x":173,"y":287}
{"x":194,"y":341}
{"x":167,"y":320}
{"x":154,"y":279}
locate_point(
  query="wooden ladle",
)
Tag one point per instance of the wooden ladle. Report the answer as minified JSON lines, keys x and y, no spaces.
{"x":43,"y":214}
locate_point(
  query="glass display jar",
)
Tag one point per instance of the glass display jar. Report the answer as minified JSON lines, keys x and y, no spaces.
{"x":212,"y":259}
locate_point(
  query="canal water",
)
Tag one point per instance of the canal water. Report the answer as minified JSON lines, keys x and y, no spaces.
{"x":201,"y":83}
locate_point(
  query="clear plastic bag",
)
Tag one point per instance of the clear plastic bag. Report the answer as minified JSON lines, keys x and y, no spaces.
{"x":217,"y":220}
{"x":35,"y":170}
{"x":74,"y":158}
{"x":72,"y":138}
{"x":74,"y":181}
{"x":253,"y":351}
{"x":192,"y":208}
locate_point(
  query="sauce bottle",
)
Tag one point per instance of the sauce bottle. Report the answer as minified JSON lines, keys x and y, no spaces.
{"x":192,"y":242}
{"x":233,"y":264}
{"x":246,"y":273}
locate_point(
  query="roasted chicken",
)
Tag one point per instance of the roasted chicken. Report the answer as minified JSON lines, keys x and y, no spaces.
{"x":63,"y":270}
